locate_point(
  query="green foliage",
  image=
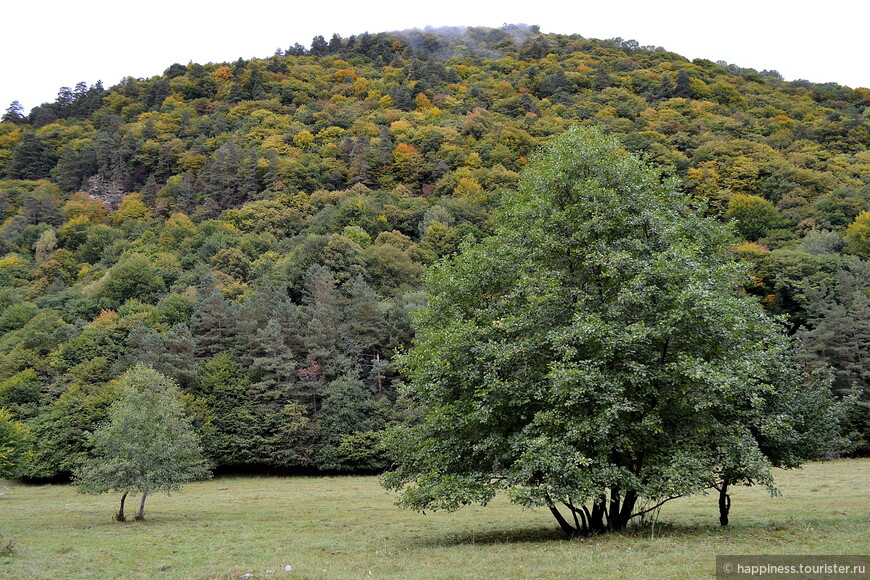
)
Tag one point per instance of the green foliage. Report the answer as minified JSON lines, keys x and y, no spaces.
{"x":147,"y":445}
{"x":594,"y":351}
{"x":17,"y":315}
{"x":857,"y":235}
{"x":755,"y":215}
{"x":836,"y":339}
{"x":133,"y":277}
{"x":233,"y":430}
{"x":32,"y":158}
{"x":347,"y":410}
{"x":61,"y":430}
{"x":14,"y":445}
{"x":172,"y":202}
{"x":20,"y":394}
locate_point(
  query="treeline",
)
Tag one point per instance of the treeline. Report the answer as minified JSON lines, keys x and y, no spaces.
{"x":284,"y":348}
{"x":258,"y":230}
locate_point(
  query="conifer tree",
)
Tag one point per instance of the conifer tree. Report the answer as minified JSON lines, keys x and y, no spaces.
{"x":213,"y":323}
{"x":323,"y":322}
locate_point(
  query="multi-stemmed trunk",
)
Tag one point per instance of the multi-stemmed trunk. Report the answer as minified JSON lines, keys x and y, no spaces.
{"x":607,"y":514}
{"x":140,"y":515}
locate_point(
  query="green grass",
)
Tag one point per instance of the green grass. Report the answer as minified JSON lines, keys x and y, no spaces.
{"x":348,"y":527}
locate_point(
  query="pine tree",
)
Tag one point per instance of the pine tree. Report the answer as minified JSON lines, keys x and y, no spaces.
{"x":14,"y":113}
{"x":359,"y":169}
{"x":322,"y":320}
{"x":213,"y":323}
{"x":363,"y":332}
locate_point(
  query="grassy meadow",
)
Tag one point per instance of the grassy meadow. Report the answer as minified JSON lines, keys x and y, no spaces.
{"x":348,"y":527}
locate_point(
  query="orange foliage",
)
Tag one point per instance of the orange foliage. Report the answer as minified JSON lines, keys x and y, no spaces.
{"x":406,"y":149}
{"x":345,"y":74}
{"x":422,"y":102}
{"x":106,"y":317}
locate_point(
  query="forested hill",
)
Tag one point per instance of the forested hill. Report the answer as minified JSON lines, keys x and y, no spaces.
{"x":257,"y":230}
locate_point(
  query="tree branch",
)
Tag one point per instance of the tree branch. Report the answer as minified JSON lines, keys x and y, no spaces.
{"x":658,"y":505}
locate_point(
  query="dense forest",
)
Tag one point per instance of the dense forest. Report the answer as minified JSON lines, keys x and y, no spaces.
{"x":259,"y":230}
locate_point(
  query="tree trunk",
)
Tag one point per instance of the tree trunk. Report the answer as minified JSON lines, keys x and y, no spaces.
{"x":620,"y":509}
{"x":563,"y":523}
{"x":569,"y":530}
{"x":608,"y":514}
{"x":596,"y":518}
{"x":724,"y":503}
{"x":140,"y":515}
{"x":628,"y":503}
{"x":613,"y":512}
{"x":120,"y":517}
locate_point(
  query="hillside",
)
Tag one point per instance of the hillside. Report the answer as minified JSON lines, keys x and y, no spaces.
{"x":258,"y":230}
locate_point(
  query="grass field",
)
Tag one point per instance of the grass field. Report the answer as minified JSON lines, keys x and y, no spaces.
{"x":348,"y":527}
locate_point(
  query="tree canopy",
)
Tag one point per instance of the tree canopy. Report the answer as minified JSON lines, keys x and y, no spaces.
{"x":147,"y":445}
{"x":596,"y":353}
{"x":14,"y":445}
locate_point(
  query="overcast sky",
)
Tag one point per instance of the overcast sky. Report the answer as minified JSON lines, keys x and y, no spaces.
{"x":51,"y":44}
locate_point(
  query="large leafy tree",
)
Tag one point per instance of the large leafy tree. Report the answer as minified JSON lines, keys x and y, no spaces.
{"x":148,"y":444}
{"x":595,"y":354}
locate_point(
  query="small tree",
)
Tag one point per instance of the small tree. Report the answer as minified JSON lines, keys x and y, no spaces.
{"x":148,"y":444}
{"x":798,"y":420}
{"x":595,"y":354}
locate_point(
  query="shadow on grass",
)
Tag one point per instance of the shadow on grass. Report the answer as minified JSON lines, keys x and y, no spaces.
{"x":646,"y":530}
{"x":493,"y":537}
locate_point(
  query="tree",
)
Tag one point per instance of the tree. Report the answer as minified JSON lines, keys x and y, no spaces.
{"x":348,"y":409}
{"x":236,"y":426}
{"x":14,"y":445}
{"x":148,"y":444}
{"x":319,"y":46}
{"x":683,"y":86}
{"x":133,"y":277}
{"x":594,"y":353}
{"x":323,"y":326}
{"x":60,"y":431}
{"x":755,"y":215}
{"x":838,"y":337}
{"x":213,"y":323}
{"x":32,"y":158}
{"x":14,"y":113}
{"x":602,"y":77}
{"x":20,"y":394}
{"x":857,"y":235}
{"x":170,"y":353}
{"x":798,"y":420}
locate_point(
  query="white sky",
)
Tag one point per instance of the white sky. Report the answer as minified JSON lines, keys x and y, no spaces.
{"x":50,"y":44}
